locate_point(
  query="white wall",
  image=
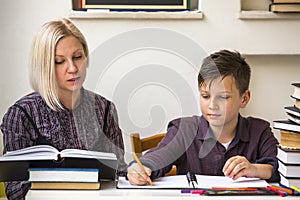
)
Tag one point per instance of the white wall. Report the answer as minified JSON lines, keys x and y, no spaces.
{"x":150,"y":104}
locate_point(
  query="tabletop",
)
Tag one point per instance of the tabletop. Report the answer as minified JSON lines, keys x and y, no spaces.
{"x":108,"y":191}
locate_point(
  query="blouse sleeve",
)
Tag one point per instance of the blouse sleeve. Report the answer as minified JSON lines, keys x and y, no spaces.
{"x":16,"y":135}
{"x":16,"y":129}
{"x":114,"y":134}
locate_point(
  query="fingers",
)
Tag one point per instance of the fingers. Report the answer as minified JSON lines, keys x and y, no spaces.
{"x":236,"y":167}
{"x":138,"y":176}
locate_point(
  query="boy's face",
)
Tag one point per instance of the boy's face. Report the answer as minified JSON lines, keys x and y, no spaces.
{"x":220,"y":101}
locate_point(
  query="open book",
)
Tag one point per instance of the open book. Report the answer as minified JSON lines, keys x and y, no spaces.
{"x":204,"y":181}
{"x":14,"y":164}
{"x":46,"y":152}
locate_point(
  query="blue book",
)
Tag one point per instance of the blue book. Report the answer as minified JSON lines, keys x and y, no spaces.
{"x":90,"y":175}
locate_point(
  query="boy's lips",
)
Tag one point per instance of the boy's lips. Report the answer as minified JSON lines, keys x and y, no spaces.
{"x":214,"y":115}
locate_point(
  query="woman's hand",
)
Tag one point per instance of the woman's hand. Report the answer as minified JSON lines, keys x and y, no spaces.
{"x":138,"y":176}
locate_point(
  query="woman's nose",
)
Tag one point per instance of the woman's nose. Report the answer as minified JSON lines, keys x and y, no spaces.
{"x":72,"y":68}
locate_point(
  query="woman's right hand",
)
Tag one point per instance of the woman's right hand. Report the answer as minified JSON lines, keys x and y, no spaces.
{"x":138,"y":176}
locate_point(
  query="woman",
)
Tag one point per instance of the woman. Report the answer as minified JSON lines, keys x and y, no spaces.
{"x":60,"y":112}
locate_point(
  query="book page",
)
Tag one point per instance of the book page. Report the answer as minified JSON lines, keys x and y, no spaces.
{"x":180,"y":181}
{"x":222,"y":181}
{"x":38,"y":152}
{"x":47,"y":152}
{"x":168,"y":182}
{"x":79,"y":153}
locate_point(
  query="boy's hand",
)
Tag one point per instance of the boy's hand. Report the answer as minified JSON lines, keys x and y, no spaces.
{"x":238,"y":166}
{"x":138,"y":176}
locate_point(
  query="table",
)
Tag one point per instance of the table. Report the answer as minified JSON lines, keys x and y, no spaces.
{"x":108,"y":191}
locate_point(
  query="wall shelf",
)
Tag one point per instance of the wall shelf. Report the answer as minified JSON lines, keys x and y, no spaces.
{"x":259,"y":14}
{"x":184,"y":15}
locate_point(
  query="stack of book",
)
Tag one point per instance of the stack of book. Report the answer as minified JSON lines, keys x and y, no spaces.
{"x":44,"y":163}
{"x":289,"y":166}
{"x":64,"y":178}
{"x":285,"y":6}
{"x":290,"y":128}
{"x":133,"y":5}
{"x":289,"y":148}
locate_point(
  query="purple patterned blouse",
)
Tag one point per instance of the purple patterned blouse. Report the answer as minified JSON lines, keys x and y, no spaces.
{"x":93,"y":125}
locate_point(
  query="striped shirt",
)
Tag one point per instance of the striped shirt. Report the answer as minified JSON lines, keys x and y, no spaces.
{"x":92,"y":125}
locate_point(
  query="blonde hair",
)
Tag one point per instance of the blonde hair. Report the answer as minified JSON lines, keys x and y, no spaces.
{"x":42,"y":58}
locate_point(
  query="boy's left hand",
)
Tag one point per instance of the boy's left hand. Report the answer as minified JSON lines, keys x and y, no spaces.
{"x":238,"y":166}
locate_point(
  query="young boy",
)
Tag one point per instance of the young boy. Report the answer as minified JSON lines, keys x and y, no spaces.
{"x":221,"y":141}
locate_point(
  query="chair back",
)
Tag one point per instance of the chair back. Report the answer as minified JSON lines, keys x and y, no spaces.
{"x":140,"y":145}
{"x":2,"y":190}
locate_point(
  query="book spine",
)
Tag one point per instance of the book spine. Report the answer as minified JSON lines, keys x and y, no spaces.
{"x":77,"y":5}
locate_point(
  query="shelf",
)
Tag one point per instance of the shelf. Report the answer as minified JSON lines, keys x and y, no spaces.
{"x":185,"y":15}
{"x":246,"y":15}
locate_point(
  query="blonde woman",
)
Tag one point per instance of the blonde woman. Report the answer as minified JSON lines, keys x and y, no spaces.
{"x":60,"y":112}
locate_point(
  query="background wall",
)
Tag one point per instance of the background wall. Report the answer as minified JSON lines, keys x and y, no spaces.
{"x":154,"y":84}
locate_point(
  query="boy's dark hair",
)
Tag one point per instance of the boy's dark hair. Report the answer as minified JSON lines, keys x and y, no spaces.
{"x":226,"y":63}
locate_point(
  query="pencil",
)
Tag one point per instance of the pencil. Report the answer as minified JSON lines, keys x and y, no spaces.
{"x":241,"y":189}
{"x":141,"y":166}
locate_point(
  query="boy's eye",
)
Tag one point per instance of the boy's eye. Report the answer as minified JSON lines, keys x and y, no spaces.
{"x":224,"y":97}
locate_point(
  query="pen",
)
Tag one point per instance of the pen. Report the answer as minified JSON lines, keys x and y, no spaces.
{"x":197,"y":191}
{"x":295,"y":188}
{"x":287,"y":189}
{"x":279,"y":192}
{"x":191,"y":177}
{"x":141,"y":166}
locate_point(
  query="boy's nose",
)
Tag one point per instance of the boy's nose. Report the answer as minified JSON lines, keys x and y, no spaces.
{"x":213,"y":104}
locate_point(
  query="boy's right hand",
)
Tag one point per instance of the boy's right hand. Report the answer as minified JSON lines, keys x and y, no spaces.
{"x":138,"y":176}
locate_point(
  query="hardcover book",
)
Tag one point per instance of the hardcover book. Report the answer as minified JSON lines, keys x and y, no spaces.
{"x":292,"y":110}
{"x":286,"y":125}
{"x":14,"y":165}
{"x":296,"y":93}
{"x":289,"y":170}
{"x":63,"y":175}
{"x":293,"y":118}
{"x":297,"y":103}
{"x":286,"y":1}
{"x":64,"y":186}
{"x":289,"y":181}
{"x":290,"y":139}
{"x":285,"y":8}
{"x":136,"y":4}
{"x":288,"y":156}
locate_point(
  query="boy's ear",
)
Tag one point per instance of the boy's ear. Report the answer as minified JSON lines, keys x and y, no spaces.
{"x":245,"y":98}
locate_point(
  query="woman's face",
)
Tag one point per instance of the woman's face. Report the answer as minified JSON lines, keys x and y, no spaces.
{"x":70,"y":65}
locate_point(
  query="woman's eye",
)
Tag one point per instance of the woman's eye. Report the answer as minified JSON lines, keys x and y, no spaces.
{"x":59,"y":62}
{"x":77,"y":57}
{"x":205,"y":96}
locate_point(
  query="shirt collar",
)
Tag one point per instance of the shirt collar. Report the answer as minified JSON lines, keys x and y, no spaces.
{"x":242,"y":133}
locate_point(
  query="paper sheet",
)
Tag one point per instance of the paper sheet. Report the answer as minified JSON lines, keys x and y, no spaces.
{"x":180,"y":181}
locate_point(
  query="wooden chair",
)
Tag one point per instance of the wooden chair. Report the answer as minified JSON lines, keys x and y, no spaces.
{"x":2,"y":191}
{"x":139,"y":146}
